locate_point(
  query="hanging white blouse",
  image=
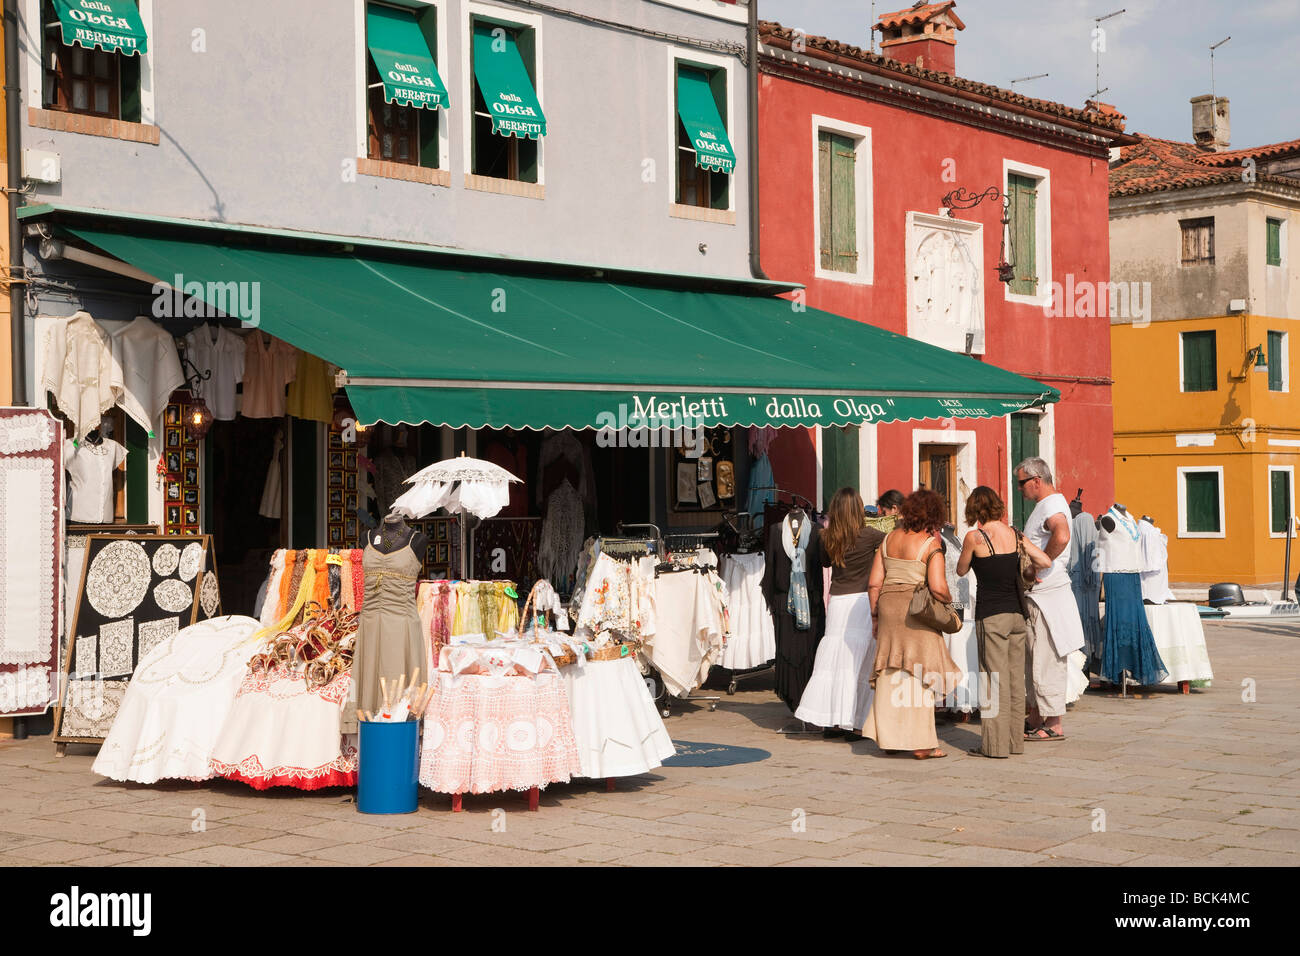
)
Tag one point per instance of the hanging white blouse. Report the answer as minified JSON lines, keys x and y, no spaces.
{"x":220,"y":351}
{"x":90,"y":468}
{"x":147,"y":368}
{"x":79,"y":372}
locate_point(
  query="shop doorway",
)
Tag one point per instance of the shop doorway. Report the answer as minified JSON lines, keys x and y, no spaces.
{"x":937,"y":470}
{"x":238,"y":455}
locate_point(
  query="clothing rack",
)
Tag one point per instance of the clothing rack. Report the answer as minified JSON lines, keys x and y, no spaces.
{"x":795,"y":497}
{"x":624,"y":527}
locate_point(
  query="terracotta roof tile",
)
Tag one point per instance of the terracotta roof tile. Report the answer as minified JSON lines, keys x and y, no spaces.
{"x":919,"y":14}
{"x":1102,"y":119}
{"x":1159,"y":165}
{"x":1233,"y":157}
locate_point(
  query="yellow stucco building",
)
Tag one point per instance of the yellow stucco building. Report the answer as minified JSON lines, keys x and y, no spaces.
{"x":1207,"y":403}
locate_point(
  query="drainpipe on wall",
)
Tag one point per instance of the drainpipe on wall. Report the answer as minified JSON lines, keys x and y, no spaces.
{"x":755,"y":262}
{"x":13,"y":154}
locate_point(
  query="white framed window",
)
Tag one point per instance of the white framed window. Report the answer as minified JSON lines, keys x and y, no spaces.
{"x":1200,"y":502}
{"x":842,"y":197}
{"x":1038,"y":273}
{"x":365,"y":96}
{"x":527,"y":30}
{"x":1281,"y":499}
{"x":34,"y":77}
{"x":721,"y":70}
{"x":945,"y":282}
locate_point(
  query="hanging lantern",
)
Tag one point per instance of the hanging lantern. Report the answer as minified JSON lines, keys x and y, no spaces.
{"x":198,"y":419}
{"x":1006,"y":270}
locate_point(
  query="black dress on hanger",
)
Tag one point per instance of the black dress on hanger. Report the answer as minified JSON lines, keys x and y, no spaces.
{"x":796,"y":650}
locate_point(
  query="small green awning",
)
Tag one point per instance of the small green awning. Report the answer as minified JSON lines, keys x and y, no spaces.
{"x":107,"y":24}
{"x":425,"y":340}
{"x":401,"y":55}
{"x":699,"y":113}
{"x":503,"y":79}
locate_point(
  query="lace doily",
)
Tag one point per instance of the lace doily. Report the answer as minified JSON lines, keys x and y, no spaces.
{"x":118,"y":579}
{"x":27,"y":688}
{"x":165,"y":560}
{"x":209,"y":595}
{"x":191,"y":562}
{"x":91,"y":707}
{"x":174,"y":596}
{"x":153,"y":633}
{"x":25,"y":433}
{"x":116,"y":641}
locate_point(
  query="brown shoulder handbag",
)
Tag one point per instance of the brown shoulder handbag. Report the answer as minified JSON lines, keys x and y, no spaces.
{"x":928,"y":611}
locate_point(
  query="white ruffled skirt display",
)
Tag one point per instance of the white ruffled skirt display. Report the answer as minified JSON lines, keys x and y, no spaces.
{"x":177,"y":703}
{"x":282,"y":733}
{"x":839,"y":692}
{"x":753,"y":635}
{"x":617,"y":726}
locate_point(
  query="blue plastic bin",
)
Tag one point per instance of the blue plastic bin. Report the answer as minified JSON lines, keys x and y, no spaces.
{"x":387,"y":776}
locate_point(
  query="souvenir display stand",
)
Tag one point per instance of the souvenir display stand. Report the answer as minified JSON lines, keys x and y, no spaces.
{"x":135,"y":592}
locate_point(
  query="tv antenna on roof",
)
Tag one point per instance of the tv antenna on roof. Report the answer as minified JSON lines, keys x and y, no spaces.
{"x":1026,"y":79}
{"x":1097,"y":47}
{"x":1214,"y":99}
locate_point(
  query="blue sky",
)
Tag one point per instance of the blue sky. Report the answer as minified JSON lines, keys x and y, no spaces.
{"x":1156,"y":57}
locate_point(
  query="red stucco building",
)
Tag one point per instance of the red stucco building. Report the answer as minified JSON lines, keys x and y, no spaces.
{"x":856,"y":154}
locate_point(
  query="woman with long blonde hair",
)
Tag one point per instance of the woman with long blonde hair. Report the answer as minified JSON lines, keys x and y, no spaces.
{"x":838,"y":695}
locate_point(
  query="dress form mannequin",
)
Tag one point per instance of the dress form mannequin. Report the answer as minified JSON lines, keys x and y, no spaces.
{"x":1129,"y":647}
{"x":388,"y":641}
{"x":394,"y":533}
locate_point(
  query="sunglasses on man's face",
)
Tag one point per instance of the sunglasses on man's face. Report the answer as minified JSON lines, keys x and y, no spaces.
{"x":1024,"y":481}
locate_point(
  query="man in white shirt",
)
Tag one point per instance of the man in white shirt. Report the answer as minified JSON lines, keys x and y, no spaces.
{"x":1055,"y":630}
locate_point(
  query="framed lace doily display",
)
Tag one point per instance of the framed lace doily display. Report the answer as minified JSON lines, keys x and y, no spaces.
{"x":132,"y":589}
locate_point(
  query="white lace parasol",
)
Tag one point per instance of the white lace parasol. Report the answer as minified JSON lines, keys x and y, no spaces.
{"x":459,"y":485}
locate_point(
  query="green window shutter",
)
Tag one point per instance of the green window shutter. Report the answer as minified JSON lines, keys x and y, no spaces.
{"x":824,"y":207}
{"x":1279,"y":493}
{"x":1202,"y":500}
{"x":1024,"y":444}
{"x":844,"y":225}
{"x":1275,"y":361}
{"x":839,"y":459}
{"x":1023,"y":194}
{"x":1274,"y":242}
{"x":1199,"y":362}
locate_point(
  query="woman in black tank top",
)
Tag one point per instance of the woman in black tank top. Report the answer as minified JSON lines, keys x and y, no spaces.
{"x":990,"y":551}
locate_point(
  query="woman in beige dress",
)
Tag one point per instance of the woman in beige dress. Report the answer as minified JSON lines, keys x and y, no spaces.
{"x":912,"y":663}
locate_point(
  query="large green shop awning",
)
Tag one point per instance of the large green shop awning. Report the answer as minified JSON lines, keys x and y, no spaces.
{"x":504,"y":82}
{"x":107,"y":24}
{"x":402,"y":57}
{"x":699,"y":114}
{"x":424,"y":341}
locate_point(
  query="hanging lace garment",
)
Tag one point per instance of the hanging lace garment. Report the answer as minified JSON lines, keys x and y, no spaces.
{"x":561,"y":539}
{"x":796,"y":549}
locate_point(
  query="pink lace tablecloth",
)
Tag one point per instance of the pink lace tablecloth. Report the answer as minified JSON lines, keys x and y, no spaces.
{"x":484,"y":734}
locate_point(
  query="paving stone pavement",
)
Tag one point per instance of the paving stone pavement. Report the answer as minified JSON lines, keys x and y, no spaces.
{"x":1205,"y":779}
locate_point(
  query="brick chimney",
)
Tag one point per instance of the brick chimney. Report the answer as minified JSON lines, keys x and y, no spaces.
{"x":1210,"y":127}
{"x":923,"y":35}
